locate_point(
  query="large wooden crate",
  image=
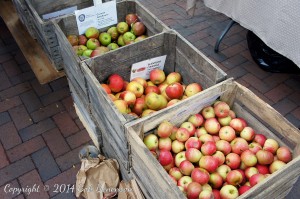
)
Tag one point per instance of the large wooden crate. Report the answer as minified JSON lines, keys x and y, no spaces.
{"x":154,"y":180}
{"x":67,"y":25}
{"x":181,"y":57}
{"x":82,"y":108}
{"x":31,"y":14}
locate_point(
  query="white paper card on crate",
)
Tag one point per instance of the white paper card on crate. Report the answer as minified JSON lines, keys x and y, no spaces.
{"x":58,"y":13}
{"x":143,"y":68}
{"x":97,"y":2}
{"x":98,"y":16}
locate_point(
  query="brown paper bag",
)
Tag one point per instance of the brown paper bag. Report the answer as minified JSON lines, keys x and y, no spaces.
{"x":129,"y":190}
{"x":97,"y":178}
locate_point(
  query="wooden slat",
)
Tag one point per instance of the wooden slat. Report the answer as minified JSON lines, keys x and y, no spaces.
{"x":36,"y":57}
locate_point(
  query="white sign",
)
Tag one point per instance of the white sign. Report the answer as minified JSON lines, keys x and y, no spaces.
{"x":98,"y":16}
{"x":97,"y":2}
{"x":59,"y":13}
{"x":143,"y":68}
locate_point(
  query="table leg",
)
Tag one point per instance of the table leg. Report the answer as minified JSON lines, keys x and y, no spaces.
{"x":223,"y":35}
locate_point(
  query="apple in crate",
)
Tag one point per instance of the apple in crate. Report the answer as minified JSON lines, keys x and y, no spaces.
{"x":238,"y":124}
{"x":209,"y":163}
{"x":208,"y":112}
{"x":193,"y":142}
{"x":186,"y":167}
{"x":212,"y":126}
{"x":106,"y":88}
{"x":238,"y":145}
{"x":247,"y":133}
{"x":179,"y":157}
{"x":284,"y":154}
{"x":276,"y":165}
{"x":254,"y":147}
{"x":227,"y":133}
{"x":87,"y":53}
{"x":139,"y":106}
{"x":184,"y":181}
{"x":192,"y":89}
{"x":250,"y":171}
{"x":157,"y":76}
{"x":122,"y":27}
{"x":260,"y":139}
{"x":128,"y":37}
{"x":131,"y":18}
{"x":221,"y":109}
{"x":92,"y":32}
{"x":73,"y":39}
{"x":174,"y":90}
{"x":208,"y":148}
{"x":129,"y":97}
{"x":120,"y":41}
{"x":234,"y":177}
{"x":182,"y":134}
{"x":193,"y":155}
{"x":190,"y":127}
{"x":193,"y":190}
{"x":112,"y":46}
{"x":271,"y":145}
{"x":229,"y":192}
{"x":138,"y":28}
{"x":248,"y":158}
{"x":175,"y":172}
{"x":225,"y":121}
{"x":151,"y":142}
{"x":200,"y":175}
{"x":115,"y":83}
{"x":264,"y":157}
{"x":173,"y":77}
{"x":165,"y":157}
{"x":196,"y":119}
{"x":233,"y":160}
{"x":223,"y":170}
{"x":136,"y":88}
{"x":113,"y":31}
{"x":177,"y":146}
{"x":215,"y":180}
{"x":256,"y":178}
{"x":164,"y":129}
{"x":223,"y":146}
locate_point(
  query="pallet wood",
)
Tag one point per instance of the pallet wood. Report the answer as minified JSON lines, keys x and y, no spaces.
{"x":259,"y":115}
{"x":67,"y":25}
{"x":36,"y":57}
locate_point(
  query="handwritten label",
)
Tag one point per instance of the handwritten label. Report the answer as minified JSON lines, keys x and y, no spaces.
{"x":62,"y":12}
{"x":98,"y":16}
{"x":143,"y":68}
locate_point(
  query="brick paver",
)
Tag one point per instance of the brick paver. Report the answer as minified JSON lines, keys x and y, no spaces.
{"x":45,"y":148}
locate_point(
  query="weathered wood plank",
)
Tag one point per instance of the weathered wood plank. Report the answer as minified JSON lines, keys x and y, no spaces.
{"x":42,"y":67}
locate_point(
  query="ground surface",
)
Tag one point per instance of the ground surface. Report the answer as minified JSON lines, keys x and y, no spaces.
{"x":40,"y":133}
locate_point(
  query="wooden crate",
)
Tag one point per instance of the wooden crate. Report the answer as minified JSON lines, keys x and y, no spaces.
{"x":82,"y":108}
{"x":154,"y":180}
{"x":67,"y":25}
{"x":43,"y":29}
{"x":181,"y":57}
{"x":23,"y":14}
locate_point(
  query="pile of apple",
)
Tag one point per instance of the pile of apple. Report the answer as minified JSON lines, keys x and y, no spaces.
{"x":215,"y":154}
{"x":93,"y":42}
{"x":141,"y":97}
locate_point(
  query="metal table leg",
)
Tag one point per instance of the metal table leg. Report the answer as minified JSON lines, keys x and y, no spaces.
{"x":223,"y":35}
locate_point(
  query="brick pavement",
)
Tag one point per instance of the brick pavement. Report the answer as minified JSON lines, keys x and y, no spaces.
{"x":40,"y":134}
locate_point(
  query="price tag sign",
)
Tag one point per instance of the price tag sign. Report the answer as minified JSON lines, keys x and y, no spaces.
{"x":143,"y":68}
{"x":58,"y":13}
{"x":98,"y":16}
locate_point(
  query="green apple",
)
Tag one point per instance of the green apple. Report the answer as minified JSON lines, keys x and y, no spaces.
{"x":113,"y":31}
{"x":128,"y":37}
{"x":122,"y":27}
{"x":121,"y":41}
{"x":87,"y":53}
{"x":105,"y":38}
{"x":92,"y":43}
{"x":92,"y":32}
{"x":112,"y":46}
{"x":79,"y":49}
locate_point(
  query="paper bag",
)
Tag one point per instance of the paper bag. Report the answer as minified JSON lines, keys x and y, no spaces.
{"x":129,"y":190}
{"x":97,"y":178}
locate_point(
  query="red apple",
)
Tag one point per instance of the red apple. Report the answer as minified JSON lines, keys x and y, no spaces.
{"x":115,"y":83}
{"x":138,"y":28}
{"x":256,"y":178}
{"x":271,"y":145}
{"x":172,"y":102}
{"x":193,"y":190}
{"x":254,"y":147}
{"x":260,"y":139}
{"x":243,"y":189}
{"x":264,"y":157}
{"x":284,"y":154}
{"x":238,"y":145}
{"x":232,"y":114}
{"x":221,"y":109}
{"x":140,"y":80}
{"x":216,"y":194}
{"x":229,"y":192}
{"x":157,"y":76}
{"x":200,"y":131}
{"x":131,"y":18}
{"x":223,"y":146}
{"x":129,"y":97}
{"x":121,"y":105}
{"x":212,"y":126}
{"x":182,"y":134}
{"x":150,"y":89}
{"x":206,"y":194}
{"x":227,"y":133}
{"x":200,"y":175}
{"x":192,"y":89}
{"x":208,"y":148}
{"x":238,"y":124}
{"x":190,"y":127}
{"x":208,"y":163}
{"x":169,"y":166}
{"x":106,"y":88}
{"x":196,"y":119}
{"x":165,"y":144}
{"x":164,"y":129}
{"x":263,"y":169}
{"x":220,"y":157}
{"x":234,"y":177}
{"x":165,"y":157}
{"x":151,"y":142}
{"x":186,"y":167}
{"x":193,"y":142}
{"x":215,"y":180}
{"x":139,"y":106}
{"x":206,"y":137}
{"x":233,"y":160}
{"x":174,"y":91}
{"x":193,"y":155}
